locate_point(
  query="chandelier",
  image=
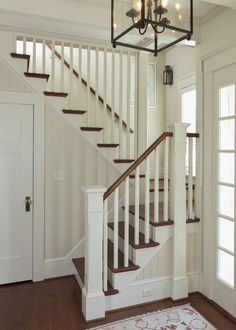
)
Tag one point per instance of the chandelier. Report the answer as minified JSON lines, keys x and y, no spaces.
{"x":151,"y":25}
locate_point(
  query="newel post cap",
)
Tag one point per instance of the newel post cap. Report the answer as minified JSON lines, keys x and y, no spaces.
{"x":94,"y":190}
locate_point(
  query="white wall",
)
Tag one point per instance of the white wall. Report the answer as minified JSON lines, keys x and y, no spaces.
{"x":183,"y":60}
{"x":82,"y":165}
{"x":218,"y":32}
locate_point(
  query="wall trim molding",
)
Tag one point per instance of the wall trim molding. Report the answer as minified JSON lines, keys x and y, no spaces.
{"x":38,"y":165}
{"x":63,"y":266}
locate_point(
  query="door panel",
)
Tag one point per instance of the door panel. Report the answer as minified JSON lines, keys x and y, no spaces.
{"x":224,"y":112}
{"x":16,"y":178}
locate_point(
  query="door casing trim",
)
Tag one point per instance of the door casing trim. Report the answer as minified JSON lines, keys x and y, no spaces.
{"x":38,"y":107}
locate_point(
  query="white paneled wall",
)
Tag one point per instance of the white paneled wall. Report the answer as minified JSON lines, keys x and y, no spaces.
{"x":161,"y":264}
{"x":10,"y":82}
{"x":68,"y":151}
{"x":74,"y":68}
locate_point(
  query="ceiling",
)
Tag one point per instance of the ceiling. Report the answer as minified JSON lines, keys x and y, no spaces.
{"x":84,"y":18}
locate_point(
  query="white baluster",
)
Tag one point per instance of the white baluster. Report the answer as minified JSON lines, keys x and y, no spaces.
{"x":105,"y":94}
{"x":14,"y":49}
{"x":105,"y":248}
{"x":62,"y":67}
{"x":156,"y":186}
{"x":80,"y":78}
{"x":88,"y":86}
{"x":147,"y":200}
{"x":136,"y":217}
{"x":128,"y":107}
{"x":166,"y":179}
{"x":121,"y":104}
{"x":113,"y":95}
{"x":71,"y":75}
{"x":126,"y":234}
{"x":190,"y":178}
{"x":44,"y":57}
{"x":135,"y":152}
{"x":34,"y":55}
{"x":24,"y":45}
{"x":53,"y":68}
{"x":97,"y":87}
{"x":116,"y":229}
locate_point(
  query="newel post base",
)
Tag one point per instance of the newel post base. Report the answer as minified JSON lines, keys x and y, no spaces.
{"x":178,"y":210}
{"x":93,"y":298}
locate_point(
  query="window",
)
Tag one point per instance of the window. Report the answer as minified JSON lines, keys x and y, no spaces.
{"x":188,"y":115}
{"x":226,"y":186}
{"x":151,"y":85}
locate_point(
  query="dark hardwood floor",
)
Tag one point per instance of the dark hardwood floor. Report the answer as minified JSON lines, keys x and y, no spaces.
{"x":56,"y":305}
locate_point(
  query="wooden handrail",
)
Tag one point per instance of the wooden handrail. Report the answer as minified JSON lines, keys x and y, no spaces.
{"x":135,"y":164}
{"x":84,"y":82}
{"x":193,"y":135}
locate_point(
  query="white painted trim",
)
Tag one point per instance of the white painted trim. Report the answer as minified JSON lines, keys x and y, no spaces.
{"x":56,"y":267}
{"x":38,"y":186}
{"x":160,"y":288}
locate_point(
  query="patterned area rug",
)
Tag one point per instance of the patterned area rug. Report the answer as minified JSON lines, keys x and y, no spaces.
{"x":177,"y":318}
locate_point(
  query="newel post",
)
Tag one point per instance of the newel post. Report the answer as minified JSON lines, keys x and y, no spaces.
{"x":178,"y":210}
{"x":93,"y":299}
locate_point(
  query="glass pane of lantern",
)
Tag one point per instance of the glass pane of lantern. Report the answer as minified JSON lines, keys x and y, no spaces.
{"x":165,"y":12}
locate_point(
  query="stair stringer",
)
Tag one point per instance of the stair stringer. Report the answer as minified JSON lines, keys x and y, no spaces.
{"x":131,"y":291}
{"x":57,"y":103}
{"x":140,"y":257}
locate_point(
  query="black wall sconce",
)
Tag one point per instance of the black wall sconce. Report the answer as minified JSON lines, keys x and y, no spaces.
{"x":168,"y":75}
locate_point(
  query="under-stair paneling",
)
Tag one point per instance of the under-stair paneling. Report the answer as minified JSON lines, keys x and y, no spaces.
{"x":193,"y":260}
{"x":81,"y":166}
{"x":160,"y":265}
{"x":10,"y":82}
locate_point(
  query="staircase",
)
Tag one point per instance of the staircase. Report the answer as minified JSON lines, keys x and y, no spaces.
{"x":129,"y":223}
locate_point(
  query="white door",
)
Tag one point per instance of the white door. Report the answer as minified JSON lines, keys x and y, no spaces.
{"x":224,"y":105}
{"x":16,"y":181}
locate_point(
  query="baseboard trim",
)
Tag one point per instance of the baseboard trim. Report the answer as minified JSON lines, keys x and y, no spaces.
{"x":63,"y":266}
{"x":219,"y":308}
{"x":137,"y":305}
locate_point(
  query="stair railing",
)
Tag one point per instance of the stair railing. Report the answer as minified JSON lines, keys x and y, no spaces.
{"x":102,"y":206}
{"x":116,"y":188}
{"x":191,"y":168}
{"x":98,"y":80}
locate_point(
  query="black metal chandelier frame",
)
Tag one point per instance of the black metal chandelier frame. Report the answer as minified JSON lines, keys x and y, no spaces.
{"x":143,"y":23}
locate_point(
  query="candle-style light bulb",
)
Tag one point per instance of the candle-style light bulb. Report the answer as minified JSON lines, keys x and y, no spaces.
{"x":164,"y":3}
{"x":177,"y":6}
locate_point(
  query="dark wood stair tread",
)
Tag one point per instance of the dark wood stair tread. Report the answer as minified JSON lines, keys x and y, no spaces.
{"x":22,"y":57}
{"x":91,"y":129}
{"x":121,"y":268}
{"x":123,"y":161}
{"x":73,"y":112}
{"x":58,"y":94}
{"x":79,"y":264}
{"x":37,"y":75}
{"x":108,"y":145}
{"x":193,"y":220}
{"x":161,"y":222}
{"x":141,"y":245}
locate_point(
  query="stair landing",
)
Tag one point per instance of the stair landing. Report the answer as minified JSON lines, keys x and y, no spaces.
{"x":79,"y":264}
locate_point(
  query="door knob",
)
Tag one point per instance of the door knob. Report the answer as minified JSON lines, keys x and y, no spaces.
{"x":28,"y":202}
